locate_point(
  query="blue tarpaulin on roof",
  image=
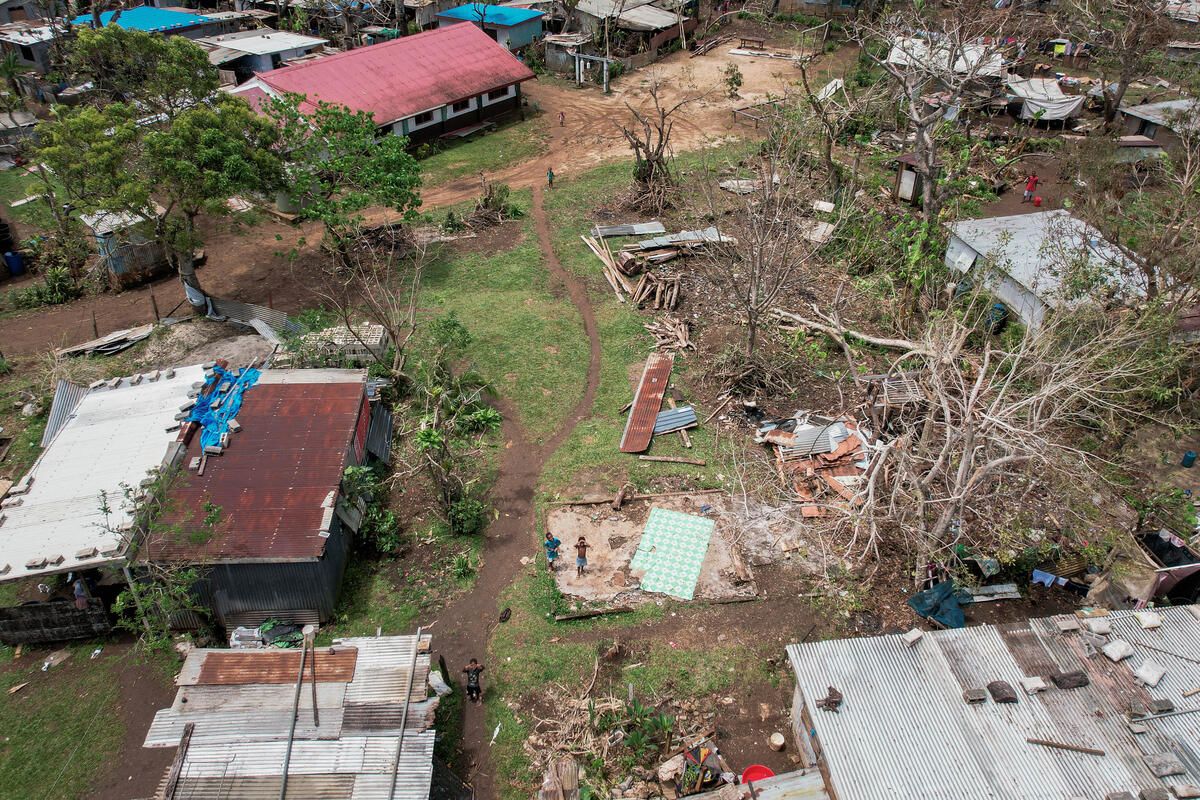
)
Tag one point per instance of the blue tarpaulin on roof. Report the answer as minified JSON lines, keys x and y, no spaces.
{"x":146,"y":18}
{"x":506,"y":16}
{"x":214,"y":422}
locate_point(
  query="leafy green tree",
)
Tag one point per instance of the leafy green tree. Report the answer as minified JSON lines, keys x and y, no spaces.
{"x":338,"y":166}
{"x":160,"y":75}
{"x":102,"y":159}
{"x":205,"y":156}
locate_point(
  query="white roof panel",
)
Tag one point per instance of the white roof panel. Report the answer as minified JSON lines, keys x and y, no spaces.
{"x":265,"y":42}
{"x":114,"y":437}
{"x":904,"y":730}
{"x":1035,"y":249}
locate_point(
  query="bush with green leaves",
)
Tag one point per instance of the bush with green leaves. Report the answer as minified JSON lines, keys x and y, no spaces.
{"x":468,"y":516}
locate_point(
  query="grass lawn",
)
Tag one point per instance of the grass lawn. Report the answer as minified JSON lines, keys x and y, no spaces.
{"x":16,"y":184}
{"x":487,"y":152}
{"x":526,"y":341}
{"x":61,"y":729}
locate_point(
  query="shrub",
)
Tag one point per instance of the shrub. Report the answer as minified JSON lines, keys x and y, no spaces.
{"x":468,"y":516}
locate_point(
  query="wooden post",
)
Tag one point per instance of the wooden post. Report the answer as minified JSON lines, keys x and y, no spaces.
{"x":177,"y":764}
{"x":95,"y":327}
{"x":154,"y":305}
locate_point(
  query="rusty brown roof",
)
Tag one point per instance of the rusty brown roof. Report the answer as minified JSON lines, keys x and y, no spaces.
{"x":272,"y":482}
{"x":231,"y":668}
{"x":639,"y":428}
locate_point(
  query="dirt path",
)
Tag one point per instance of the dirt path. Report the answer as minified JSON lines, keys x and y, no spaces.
{"x":462,"y":628}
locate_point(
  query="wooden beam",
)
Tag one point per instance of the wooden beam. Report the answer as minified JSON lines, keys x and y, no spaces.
{"x":177,"y":764}
{"x":1074,"y":748}
{"x":673,"y":460}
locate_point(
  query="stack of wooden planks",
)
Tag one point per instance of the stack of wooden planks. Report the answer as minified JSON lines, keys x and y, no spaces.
{"x":656,"y":291}
{"x":617,"y":279}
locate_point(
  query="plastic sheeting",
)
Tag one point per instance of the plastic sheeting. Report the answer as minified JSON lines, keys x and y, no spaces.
{"x":1044,"y":99}
{"x":214,"y":422}
{"x":941,"y":604}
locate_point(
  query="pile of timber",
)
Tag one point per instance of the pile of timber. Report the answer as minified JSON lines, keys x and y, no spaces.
{"x":656,"y":291}
{"x":670,"y":333}
{"x":616,"y":278}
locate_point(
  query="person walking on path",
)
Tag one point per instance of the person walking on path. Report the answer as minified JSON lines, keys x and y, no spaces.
{"x":581,"y":548}
{"x":562,"y":119}
{"x":473,"y":670}
{"x":551,"y":544}
{"x":550,"y":177}
{"x":1030,"y":187}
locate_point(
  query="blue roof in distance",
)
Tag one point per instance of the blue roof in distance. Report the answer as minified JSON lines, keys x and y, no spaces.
{"x":494,"y":15}
{"x":146,"y":18}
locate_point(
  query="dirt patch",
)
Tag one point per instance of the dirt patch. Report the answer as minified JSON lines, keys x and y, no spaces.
{"x":614,"y":537}
{"x":199,"y":340}
{"x":136,"y":771}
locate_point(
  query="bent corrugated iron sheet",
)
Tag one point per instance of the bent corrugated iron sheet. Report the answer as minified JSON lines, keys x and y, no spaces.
{"x":647,"y":401}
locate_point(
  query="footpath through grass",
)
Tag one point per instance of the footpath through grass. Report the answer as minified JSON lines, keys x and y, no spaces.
{"x":528,"y":342}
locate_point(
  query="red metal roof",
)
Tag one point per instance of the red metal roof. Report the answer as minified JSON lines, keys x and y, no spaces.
{"x":639,"y":428}
{"x":405,"y":76}
{"x":272,"y":481}
{"x":235,"y":668}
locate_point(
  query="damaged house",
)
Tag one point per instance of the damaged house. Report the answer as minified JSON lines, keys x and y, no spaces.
{"x":259,"y":505}
{"x":358,"y":724}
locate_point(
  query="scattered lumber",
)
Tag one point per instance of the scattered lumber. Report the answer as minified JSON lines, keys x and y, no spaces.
{"x":710,"y":45}
{"x":596,"y":612}
{"x":593,"y":501}
{"x":616,"y":278}
{"x":670,"y":333}
{"x":697,"y":462}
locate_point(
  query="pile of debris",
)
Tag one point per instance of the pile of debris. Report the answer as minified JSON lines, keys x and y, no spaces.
{"x":670,"y":333}
{"x":636,"y":258}
{"x":647,"y":417}
{"x":823,"y":460}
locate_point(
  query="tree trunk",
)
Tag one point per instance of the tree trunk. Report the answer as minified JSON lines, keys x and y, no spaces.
{"x":185,"y":260}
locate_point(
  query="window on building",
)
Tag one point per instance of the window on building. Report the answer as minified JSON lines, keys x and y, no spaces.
{"x":499,"y":94}
{"x":27,"y":53}
{"x":423,"y":118}
{"x":462,"y":105}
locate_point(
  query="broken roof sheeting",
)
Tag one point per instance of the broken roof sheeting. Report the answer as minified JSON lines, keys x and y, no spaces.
{"x":1044,"y":99}
{"x":405,"y":76}
{"x":1034,"y":250}
{"x":629,"y":229}
{"x":66,"y":399}
{"x":643,"y":414}
{"x":115,"y":437}
{"x":272,"y":483}
{"x":978,"y":59}
{"x":240,"y":735}
{"x":954,"y":750}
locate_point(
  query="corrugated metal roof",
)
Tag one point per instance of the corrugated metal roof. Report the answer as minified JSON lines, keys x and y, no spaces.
{"x":798,"y":785}
{"x":226,"y":667}
{"x":629,"y":229}
{"x":146,"y":18}
{"x":943,"y":747}
{"x":406,"y":76}
{"x":639,"y":428}
{"x":264,"y":41}
{"x":66,"y":397}
{"x":240,"y":732}
{"x":272,"y":482}
{"x":506,"y":16}
{"x":648,"y":18}
{"x":1164,"y":113}
{"x":379,"y":435}
{"x":673,"y":419}
{"x":114,"y":438}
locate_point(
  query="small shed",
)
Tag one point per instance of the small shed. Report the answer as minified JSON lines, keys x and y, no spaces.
{"x":246,"y":53}
{"x":15,"y":126}
{"x":1024,"y":260}
{"x":126,"y":244}
{"x":1151,"y":119}
{"x":510,"y":26}
{"x":909,"y":182}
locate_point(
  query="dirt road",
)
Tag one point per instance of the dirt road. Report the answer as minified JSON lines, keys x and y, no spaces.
{"x":462,"y":628}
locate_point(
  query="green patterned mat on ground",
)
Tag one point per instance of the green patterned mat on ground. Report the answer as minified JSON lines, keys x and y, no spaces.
{"x":672,"y":552}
